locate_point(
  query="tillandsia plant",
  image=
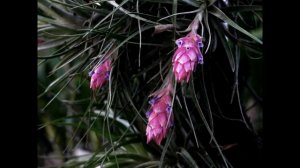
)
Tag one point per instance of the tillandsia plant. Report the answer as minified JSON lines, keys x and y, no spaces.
{"x":149,"y":83}
{"x":185,"y":59}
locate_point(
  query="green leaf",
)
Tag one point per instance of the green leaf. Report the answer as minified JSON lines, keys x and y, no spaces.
{"x":208,"y":29}
{"x":242,"y":8}
{"x":149,"y":163}
{"x":188,"y":158}
{"x":196,"y":102}
{"x":192,"y":3}
{"x":219,"y":14}
{"x":53,"y":43}
{"x":190,"y":119}
{"x":225,"y":45}
{"x":113,"y":3}
{"x":210,"y":2}
{"x":60,"y":78}
{"x":76,"y":56}
{"x":168,"y":141}
{"x":132,"y":156}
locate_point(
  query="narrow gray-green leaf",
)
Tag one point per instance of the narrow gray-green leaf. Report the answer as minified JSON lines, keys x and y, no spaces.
{"x":113,"y":3}
{"x":188,"y":158}
{"x":53,"y":43}
{"x":210,"y":2}
{"x":225,"y":45}
{"x":60,"y":78}
{"x":150,"y":163}
{"x":196,"y":102}
{"x":192,"y":3}
{"x":242,"y":8}
{"x":219,"y":14}
{"x":168,"y":141}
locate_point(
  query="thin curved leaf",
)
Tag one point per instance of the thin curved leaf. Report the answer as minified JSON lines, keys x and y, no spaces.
{"x":242,"y":8}
{"x":225,"y":45}
{"x":188,"y":158}
{"x":165,"y":149}
{"x":54,"y":43}
{"x":219,"y":14}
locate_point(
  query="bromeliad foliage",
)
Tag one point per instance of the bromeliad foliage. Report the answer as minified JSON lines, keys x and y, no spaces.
{"x":200,"y":62}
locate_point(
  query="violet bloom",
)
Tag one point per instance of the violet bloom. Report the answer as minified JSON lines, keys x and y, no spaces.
{"x":100,"y":75}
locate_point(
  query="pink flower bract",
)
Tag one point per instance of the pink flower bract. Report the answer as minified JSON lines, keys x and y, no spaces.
{"x":160,"y":117}
{"x":187,"y":56}
{"x":100,"y":75}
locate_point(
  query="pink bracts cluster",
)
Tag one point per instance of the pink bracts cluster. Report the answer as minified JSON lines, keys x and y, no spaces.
{"x":160,"y":117}
{"x":187,"y":56}
{"x":100,"y":75}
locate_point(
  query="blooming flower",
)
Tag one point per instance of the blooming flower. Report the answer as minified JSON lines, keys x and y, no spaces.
{"x":100,"y":75}
{"x":160,"y":117}
{"x":187,"y":56}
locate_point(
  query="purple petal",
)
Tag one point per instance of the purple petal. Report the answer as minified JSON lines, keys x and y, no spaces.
{"x":153,"y":100}
{"x":200,"y":44}
{"x":148,"y":113}
{"x":171,"y":124}
{"x":169,"y":108}
{"x":107,"y":75}
{"x":179,"y":43}
{"x":200,"y":59}
{"x":91,"y":73}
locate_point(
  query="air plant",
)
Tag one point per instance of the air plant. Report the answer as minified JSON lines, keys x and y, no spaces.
{"x":125,"y":51}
